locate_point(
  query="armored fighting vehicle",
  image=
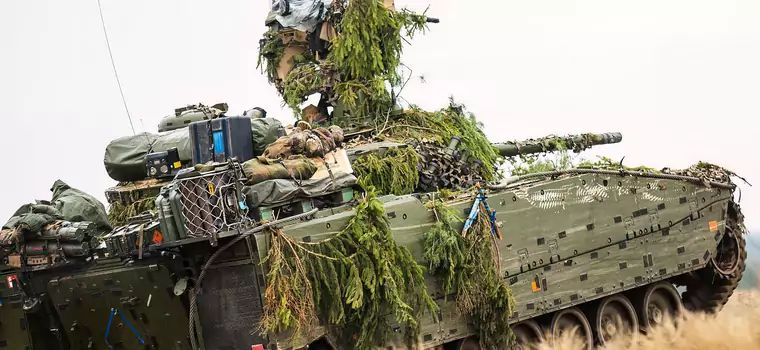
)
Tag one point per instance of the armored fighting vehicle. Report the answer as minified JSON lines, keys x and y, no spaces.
{"x":576,"y":247}
{"x":343,"y":231}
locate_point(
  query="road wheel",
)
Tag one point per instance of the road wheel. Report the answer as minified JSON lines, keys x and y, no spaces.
{"x":527,"y":335}
{"x":657,"y":304}
{"x":615,"y":317}
{"x":571,"y":320}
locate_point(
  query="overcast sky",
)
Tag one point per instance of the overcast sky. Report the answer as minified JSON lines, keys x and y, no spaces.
{"x":679,"y":79}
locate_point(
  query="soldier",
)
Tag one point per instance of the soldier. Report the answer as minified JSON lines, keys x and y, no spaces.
{"x":314,"y":116}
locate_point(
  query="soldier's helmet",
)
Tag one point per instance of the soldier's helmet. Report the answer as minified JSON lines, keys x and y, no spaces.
{"x":255,"y":112}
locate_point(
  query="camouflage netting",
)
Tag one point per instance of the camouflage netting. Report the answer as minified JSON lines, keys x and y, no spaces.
{"x":429,"y":132}
{"x":707,"y":172}
{"x":475,"y":160}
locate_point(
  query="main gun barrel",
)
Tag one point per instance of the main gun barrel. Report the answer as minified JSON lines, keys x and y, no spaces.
{"x":552,"y":143}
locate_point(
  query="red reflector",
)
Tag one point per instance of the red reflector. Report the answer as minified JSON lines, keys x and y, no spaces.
{"x":257,"y":347}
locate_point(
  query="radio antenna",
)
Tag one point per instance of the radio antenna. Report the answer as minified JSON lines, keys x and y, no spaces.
{"x":113,"y":65}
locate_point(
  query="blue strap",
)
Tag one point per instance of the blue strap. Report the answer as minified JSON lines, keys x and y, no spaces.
{"x":481,"y":197}
{"x":130,"y":327}
{"x":110,"y":320}
{"x":108,"y":329}
{"x":471,"y":217}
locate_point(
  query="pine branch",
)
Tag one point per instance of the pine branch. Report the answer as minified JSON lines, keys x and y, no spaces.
{"x":346,"y":282}
{"x":470,"y":267}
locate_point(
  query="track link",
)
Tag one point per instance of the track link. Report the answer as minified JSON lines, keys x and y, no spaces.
{"x":707,"y":290}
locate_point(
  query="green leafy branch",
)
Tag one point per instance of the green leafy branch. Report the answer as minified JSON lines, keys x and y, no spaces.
{"x":440,"y":126}
{"x":469,"y":266}
{"x":393,"y":173}
{"x":347,"y":282}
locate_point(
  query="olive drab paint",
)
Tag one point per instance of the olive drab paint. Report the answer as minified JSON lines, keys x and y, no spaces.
{"x":568,"y":238}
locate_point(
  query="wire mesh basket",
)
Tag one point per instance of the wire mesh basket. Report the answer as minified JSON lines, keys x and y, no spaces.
{"x":212,"y":203}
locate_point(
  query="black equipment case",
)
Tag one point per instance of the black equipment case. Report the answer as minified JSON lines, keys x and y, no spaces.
{"x":219,"y":139}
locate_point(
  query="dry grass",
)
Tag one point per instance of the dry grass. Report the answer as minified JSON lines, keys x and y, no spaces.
{"x":737,"y":327}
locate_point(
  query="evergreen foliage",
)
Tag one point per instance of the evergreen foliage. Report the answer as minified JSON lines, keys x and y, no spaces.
{"x":397,"y":171}
{"x":444,"y":247}
{"x":562,"y":159}
{"x":469,"y":266}
{"x":348,"y":282}
{"x":609,"y":164}
{"x":271,"y":54}
{"x":305,"y":79}
{"x":440,"y":126}
{"x":369,"y":45}
{"x":535,"y":163}
{"x":364,"y":57}
{"x":393,"y":173}
{"x":365,"y":54}
{"x":118,"y":213}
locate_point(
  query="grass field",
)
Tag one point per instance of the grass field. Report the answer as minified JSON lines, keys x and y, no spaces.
{"x":736,"y":327}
